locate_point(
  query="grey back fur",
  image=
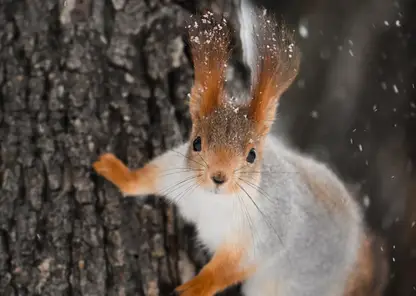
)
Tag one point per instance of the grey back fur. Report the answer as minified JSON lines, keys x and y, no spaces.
{"x":312,"y":227}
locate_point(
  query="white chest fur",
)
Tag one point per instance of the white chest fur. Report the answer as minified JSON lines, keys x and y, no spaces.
{"x":216,"y":217}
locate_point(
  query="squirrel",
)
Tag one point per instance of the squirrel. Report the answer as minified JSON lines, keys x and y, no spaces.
{"x":277,"y":221}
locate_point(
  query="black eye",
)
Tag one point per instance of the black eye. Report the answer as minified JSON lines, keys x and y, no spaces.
{"x":251,"y":157}
{"x":197,"y":144}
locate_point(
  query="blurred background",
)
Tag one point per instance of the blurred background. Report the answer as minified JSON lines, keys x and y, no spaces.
{"x":80,"y":77}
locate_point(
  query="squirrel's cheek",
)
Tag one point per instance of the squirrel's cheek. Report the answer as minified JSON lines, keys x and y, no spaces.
{"x":206,"y":183}
{"x":233,"y":188}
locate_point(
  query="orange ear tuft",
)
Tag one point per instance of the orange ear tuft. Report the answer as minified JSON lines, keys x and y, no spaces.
{"x":277,"y":67}
{"x":210,"y":52}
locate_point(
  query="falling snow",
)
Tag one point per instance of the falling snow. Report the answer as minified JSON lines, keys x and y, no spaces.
{"x":303,"y":31}
{"x":195,"y":39}
{"x":314,"y":114}
{"x":301,"y":83}
{"x":366,"y":201}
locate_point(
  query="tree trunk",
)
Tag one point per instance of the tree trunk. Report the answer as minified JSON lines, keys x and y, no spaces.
{"x":78,"y":78}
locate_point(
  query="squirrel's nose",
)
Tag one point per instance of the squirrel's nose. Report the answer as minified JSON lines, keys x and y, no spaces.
{"x":219,"y":178}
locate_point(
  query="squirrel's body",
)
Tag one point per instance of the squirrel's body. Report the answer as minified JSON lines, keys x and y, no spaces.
{"x":279,"y":221}
{"x":306,"y":230}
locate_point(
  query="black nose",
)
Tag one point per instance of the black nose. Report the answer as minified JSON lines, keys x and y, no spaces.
{"x":219,"y":178}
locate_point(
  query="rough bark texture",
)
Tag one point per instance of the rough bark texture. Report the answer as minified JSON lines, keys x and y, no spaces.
{"x":80,"y":77}
{"x":77,"y":78}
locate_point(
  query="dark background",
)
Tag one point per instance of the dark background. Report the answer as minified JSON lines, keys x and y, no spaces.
{"x":80,"y":77}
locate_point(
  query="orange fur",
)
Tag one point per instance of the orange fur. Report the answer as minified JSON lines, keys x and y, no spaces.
{"x":363,"y":270}
{"x":277,"y":68}
{"x":324,"y":192}
{"x":226,"y":161}
{"x":210,"y":52}
{"x":363,"y":280}
{"x":220,"y":273}
{"x":138,"y":182}
{"x":223,"y":159}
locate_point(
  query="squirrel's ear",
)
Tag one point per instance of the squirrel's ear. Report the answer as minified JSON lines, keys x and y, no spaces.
{"x":277,"y":65}
{"x":209,"y":43}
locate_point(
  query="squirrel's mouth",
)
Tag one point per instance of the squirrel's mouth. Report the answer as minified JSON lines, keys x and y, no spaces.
{"x":218,"y":190}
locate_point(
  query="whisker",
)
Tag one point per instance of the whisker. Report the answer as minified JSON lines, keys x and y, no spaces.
{"x":260,"y":190}
{"x":187,"y":168}
{"x":167,"y":190}
{"x":203,"y":160}
{"x":187,"y":191}
{"x":263,"y":193}
{"x":270,"y":199}
{"x":261,"y":212}
{"x":266,"y":218}
{"x":240,"y":168}
{"x":187,"y":157}
{"x":183,"y":171}
{"x":248,"y":217}
{"x":267,"y":172}
{"x":178,"y":196}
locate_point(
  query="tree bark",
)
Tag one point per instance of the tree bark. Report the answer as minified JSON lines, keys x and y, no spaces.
{"x":78,"y":78}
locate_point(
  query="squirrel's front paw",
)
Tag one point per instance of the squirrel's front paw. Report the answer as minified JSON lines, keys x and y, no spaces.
{"x":113,"y":169}
{"x":106,"y":163}
{"x":198,"y":286}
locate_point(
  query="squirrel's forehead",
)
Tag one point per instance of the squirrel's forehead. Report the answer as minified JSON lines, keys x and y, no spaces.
{"x":230,"y":116}
{"x":227,"y":127}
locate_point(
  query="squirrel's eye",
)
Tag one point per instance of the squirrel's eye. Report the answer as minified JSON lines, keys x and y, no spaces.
{"x":197,"y":144}
{"x":251,"y":157}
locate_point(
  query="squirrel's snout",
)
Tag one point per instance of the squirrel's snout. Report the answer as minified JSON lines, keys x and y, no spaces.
{"x":219,"y":178}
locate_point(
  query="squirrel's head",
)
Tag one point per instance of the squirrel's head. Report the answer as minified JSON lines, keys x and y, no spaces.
{"x":227,"y":140}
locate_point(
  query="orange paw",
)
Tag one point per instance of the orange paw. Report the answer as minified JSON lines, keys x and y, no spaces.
{"x":113,"y":169}
{"x":200,"y":285}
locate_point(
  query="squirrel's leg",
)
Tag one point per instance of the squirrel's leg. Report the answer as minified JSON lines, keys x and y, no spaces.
{"x":222,"y":271}
{"x":129,"y":182}
{"x":152,"y":178}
